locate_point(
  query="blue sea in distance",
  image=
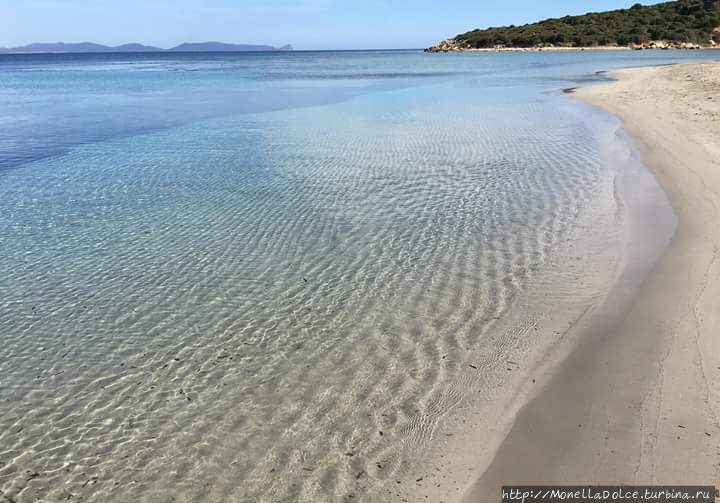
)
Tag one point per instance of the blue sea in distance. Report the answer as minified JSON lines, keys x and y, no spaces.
{"x":289,"y":276}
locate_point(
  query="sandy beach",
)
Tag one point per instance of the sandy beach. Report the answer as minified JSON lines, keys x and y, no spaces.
{"x":637,"y":400}
{"x":369,"y":291}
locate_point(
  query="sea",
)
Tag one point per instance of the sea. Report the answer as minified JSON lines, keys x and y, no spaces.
{"x":295,"y":276}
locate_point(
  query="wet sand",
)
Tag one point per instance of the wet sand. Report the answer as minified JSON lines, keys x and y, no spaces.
{"x":637,"y":400}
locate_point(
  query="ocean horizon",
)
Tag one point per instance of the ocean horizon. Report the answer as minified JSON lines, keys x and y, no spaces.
{"x":295,"y":276}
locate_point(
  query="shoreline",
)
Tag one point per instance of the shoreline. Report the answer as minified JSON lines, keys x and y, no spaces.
{"x":623,"y":248}
{"x":450,"y":46}
{"x":640,"y":393}
{"x":531,"y":49}
{"x":574,"y":49}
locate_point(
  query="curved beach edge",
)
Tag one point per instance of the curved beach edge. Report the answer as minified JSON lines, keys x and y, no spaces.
{"x":637,"y":400}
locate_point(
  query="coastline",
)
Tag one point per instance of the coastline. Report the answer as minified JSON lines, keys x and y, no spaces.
{"x":600,"y":48}
{"x":414,"y":344}
{"x":640,"y":392}
{"x":455,"y":48}
{"x":452,"y":45}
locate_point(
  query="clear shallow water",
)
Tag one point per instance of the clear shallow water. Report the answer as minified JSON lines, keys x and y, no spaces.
{"x":264,"y":277}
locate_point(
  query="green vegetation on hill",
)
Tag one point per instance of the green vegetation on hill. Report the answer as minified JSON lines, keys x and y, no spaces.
{"x":692,"y":21}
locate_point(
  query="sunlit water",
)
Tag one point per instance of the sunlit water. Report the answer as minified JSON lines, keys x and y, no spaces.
{"x":281,"y":277}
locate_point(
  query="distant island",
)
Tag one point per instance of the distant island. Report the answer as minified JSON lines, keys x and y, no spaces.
{"x":682,"y":24}
{"x":89,"y":47}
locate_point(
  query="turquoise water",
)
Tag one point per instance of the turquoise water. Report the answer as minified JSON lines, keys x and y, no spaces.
{"x":284,"y":277}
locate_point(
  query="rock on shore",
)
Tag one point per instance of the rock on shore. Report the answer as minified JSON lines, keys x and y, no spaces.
{"x":449,"y":45}
{"x":454,"y":45}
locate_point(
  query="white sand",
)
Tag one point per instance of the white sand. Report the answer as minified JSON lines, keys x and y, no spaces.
{"x":638,"y":399}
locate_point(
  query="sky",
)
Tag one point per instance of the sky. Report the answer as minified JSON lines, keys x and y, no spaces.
{"x":306,"y":24}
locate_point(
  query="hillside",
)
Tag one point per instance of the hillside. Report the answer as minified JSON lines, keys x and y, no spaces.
{"x":682,"y":23}
{"x":88,"y":47}
{"x":221,"y":47}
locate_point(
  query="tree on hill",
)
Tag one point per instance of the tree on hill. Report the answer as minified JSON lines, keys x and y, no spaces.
{"x":691,"y":21}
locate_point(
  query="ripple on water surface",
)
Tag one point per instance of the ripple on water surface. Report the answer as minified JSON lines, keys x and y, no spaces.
{"x":277,"y":307}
